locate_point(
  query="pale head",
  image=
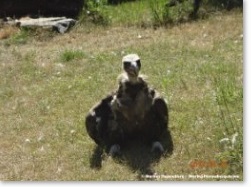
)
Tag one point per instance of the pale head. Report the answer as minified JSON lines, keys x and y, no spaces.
{"x":131,"y":65}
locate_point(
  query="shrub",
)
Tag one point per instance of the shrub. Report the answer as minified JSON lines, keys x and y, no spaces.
{"x":95,"y":12}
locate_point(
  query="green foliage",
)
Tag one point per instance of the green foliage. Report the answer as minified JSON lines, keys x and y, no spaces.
{"x":94,"y":12}
{"x":157,"y":11}
{"x":164,"y":15}
{"x":130,"y":13}
{"x":150,"y":12}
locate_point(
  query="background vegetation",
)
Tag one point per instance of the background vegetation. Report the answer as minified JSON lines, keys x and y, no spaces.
{"x":151,"y":12}
{"x":48,"y":82}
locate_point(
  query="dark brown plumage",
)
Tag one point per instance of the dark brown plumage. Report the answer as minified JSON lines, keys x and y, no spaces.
{"x":134,"y":111}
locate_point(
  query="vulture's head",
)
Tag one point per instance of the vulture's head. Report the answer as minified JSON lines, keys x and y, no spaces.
{"x":131,"y":65}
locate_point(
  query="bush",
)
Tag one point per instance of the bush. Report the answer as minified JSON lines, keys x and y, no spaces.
{"x":95,"y":12}
{"x":178,"y":11}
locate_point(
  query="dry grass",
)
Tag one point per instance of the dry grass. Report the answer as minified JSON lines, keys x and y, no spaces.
{"x":7,"y":31}
{"x":48,"y":83}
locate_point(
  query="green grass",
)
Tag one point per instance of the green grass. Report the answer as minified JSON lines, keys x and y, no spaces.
{"x":142,"y":13}
{"x":130,"y":13}
{"x":70,"y":55}
{"x":47,"y":86}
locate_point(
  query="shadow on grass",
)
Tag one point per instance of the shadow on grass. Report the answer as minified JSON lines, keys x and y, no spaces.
{"x":136,"y":155}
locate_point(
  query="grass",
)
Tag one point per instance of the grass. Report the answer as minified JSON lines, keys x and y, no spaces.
{"x":7,"y":32}
{"x":48,"y":84}
{"x":142,"y":13}
{"x":70,"y":55}
{"x":127,"y":16}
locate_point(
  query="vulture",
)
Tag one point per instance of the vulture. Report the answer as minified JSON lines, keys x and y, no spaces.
{"x":134,"y":111}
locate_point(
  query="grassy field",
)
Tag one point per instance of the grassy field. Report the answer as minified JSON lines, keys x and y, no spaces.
{"x":48,"y":82}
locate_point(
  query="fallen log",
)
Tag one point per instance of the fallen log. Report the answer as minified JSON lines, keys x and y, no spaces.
{"x":60,"y":24}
